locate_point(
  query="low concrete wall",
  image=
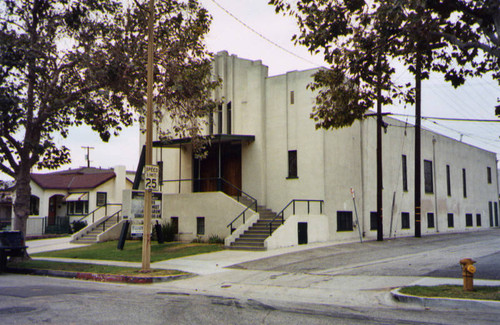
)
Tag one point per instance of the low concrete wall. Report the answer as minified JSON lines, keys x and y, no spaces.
{"x":287,"y":234}
{"x":241,"y":229}
{"x":217,"y":208}
{"x":112,"y":233}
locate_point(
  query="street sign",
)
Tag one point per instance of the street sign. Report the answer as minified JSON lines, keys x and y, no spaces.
{"x":151,"y":178}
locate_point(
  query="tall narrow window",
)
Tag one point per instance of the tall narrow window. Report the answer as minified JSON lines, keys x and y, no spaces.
{"x":34,"y":205}
{"x":292,"y":97}
{"x":468,"y":220}
{"x":488,"y":174}
{"x":174,"y":222}
{"x":405,"y":220}
{"x":405,"y":174}
{"x":219,"y":120}
{"x":200,"y":225}
{"x":229,"y":118}
{"x":451,"y":222}
{"x":490,"y":206}
{"x":210,"y":123}
{"x":496,"y":214}
{"x":344,"y":220}
{"x":429,"y":183}
{"x":478,"y":219}
{"x":464,"y":179}
{"x":430,"y":220}
{"x":292,"y":164}
{"x":373,"y":221}
{"x":448,"y":180}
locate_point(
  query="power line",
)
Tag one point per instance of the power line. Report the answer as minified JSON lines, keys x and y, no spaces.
{"x":262,"y":36}
{"x":450,"y":118}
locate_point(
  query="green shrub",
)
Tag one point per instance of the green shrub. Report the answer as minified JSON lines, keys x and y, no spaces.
{"x":197,"y":240}
{"x":215,"y":239}
{"x":168,"y":231}
{"x":78,"y":225}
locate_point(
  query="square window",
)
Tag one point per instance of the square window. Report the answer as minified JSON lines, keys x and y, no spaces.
{"x":344,"y":220}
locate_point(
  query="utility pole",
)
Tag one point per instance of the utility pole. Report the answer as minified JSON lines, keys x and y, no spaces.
{"x":146,"y":235}
{"x":418,"y":116}
{"x":380,"y":220}
{"x":87,"y":156}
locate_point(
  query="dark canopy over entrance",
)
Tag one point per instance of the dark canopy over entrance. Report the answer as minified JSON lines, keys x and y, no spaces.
{"x":220,"y":170}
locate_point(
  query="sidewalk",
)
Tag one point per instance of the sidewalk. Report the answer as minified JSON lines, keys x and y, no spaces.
{"x":215,"y":278}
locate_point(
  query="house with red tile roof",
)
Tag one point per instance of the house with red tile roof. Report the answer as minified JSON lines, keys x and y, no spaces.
{"x":74,"y":194}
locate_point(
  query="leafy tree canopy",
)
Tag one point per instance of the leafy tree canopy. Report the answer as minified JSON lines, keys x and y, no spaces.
{"x":65,"y":63}
{"x":362,"y":41}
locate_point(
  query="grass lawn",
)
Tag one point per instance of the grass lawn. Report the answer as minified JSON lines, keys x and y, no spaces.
{"x":132,"y":251}
{"x":449,"y":291}
{"x":90,"y":268}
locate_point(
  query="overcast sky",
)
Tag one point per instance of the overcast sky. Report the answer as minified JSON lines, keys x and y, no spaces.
{"x":474,"y":100}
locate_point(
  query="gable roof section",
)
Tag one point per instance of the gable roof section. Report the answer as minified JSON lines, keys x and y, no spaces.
{"x":73,"y":179}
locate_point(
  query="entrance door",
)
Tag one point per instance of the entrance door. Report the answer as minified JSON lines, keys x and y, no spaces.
{"x":207,"y":170}
{"x":302,"y":232}
{"x":52,"y":210}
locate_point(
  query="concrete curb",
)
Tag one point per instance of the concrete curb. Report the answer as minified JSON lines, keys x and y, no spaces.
{"x":100,"y":277}
{"x":454,"y":303}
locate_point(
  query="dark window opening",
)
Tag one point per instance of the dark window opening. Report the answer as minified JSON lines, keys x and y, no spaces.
{"x":405,"y":174}
{"x":478,"y":219}
{"x":344,"y":220}
{"x":490,"y":206}
{"x":292,"y":164}
{"x":219,"y":120}
{"x":448,"y":180}
{"x":229,"y":118}
{"x":405,"y":220}
{"x":373,"y":221}
{"x":464,"y":179}
{"x":488,"y":171}
{"x":496,"y":214}
{"x":174,"y":221}
{"x":451,"y":222}
{"x":34,"y":205}
{"x":210,"y":123}
{"x":429,"y":182}
{"x":292,"y":97}
{"x":101,"y":199}
{"x":200,"y":225}
{"x":468,"y":220}
{"x":430,"y":220}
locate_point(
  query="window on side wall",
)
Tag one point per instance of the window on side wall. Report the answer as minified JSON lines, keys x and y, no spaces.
{"x":464,"y":180}
{"x":405,"y":174}
{"x":373,"y":221}
{"x":292,"y":164}
{"x":405,"y":220}
{"x":101,"y":199}
{"x":344,"y":220}
{"x":478,"y":220}
{"x":200,"y":225}
{"x":429,"y":182}
{"x":448,"y":180}
{"x":468,"y":220}
{"x":451,"y":221}
{"x":430,"y":220}
{"x":34,"y":205}
{"x":488,"y":172}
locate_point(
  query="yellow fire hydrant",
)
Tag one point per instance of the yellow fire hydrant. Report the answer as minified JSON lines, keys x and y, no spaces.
{"x":468,"y":270}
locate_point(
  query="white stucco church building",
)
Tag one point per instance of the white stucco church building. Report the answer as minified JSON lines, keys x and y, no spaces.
{"x":266,"y":158}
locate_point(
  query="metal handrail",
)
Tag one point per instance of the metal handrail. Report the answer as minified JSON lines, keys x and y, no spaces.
{"x":239,"y":215}
{"x":98,"y":208}
{"x":292,"y":202}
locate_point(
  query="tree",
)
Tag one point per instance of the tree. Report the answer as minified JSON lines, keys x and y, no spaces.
{"x":66,"y":63}
{"x":458,"y":38}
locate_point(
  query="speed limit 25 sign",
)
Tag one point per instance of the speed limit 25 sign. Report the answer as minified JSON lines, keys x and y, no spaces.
{"x":151,"y":177}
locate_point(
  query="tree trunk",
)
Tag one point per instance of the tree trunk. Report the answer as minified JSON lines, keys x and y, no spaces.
{"x":22,"y":201}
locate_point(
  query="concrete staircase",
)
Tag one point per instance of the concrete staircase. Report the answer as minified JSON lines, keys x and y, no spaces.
{"x":90,"y":237}
{"x":254,"y":237}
